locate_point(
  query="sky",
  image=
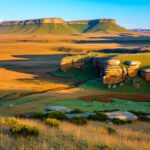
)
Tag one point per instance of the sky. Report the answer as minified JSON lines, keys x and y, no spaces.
{"x":128,"y":13}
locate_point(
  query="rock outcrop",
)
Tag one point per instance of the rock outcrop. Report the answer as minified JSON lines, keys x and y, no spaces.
{"x":32,"y":21}
{"x":114,"y":73}
{"x":68,"y":63}
{"x":94,"y":21}
{"x":133,"y":67}
{"x":145,"y":73}
{"x":53,"y":20}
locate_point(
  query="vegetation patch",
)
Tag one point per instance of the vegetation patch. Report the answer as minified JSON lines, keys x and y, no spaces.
{"x":52,"y":122}
{"x":78,"y":120}
{"x":120,"y":122}
{"x":24,"y":130}
{"x":99,"y":116}
{"x":10,"y":121}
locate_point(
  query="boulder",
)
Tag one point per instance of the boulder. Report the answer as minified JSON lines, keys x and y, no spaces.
{"x":114,"y":73}
{"x":133,"y":67}
{"x":145,"y":73}
{"x":57,"y":108}
{"x":123,"y":115}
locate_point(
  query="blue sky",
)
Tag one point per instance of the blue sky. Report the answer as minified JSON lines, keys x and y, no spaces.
{"x":128,"y":13}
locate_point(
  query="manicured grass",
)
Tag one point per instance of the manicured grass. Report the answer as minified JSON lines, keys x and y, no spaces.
{"x":100,"y":106}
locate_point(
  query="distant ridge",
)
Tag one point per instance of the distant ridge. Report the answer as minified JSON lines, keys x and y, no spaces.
{"x":59,"y":26}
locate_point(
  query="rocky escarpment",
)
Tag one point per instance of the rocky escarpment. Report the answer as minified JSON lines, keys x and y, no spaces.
{"x":111,"y":71}
{"x":53,"y":20}
{"x":32,"y":21}
{"x":92,"y":22}
{"x":48,"y":24}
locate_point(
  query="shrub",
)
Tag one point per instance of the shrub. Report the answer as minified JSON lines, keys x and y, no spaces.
{"x":120,"y":122}
{"x":139,"y":113}
{"x":24,"y":130}
{"x":52,"y":122}
{"x":79,"y":120}
{"x":76,"y":111}
{"x":99,"y":116}
{"x":10,"y":121}
{"x":55,"y":114}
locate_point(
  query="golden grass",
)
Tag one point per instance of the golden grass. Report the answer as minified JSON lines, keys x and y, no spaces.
{"x":93,"y":136}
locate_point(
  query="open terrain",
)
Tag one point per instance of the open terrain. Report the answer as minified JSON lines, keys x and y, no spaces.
{"x":29,"y":69}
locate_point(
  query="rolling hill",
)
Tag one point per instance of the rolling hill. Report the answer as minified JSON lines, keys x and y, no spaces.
{"x":49,"y":28}
{"x":107,"y":27}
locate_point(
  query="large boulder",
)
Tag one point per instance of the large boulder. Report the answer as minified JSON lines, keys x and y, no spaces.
{"x":123,"y":115}
{"x":145,"y":73}
{"x":133,"y":67}
{"x":57,"y":108}
{"x":114,"y":73}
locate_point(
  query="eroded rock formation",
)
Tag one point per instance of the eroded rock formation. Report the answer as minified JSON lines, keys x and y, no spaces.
{"x":68,"y":63}
{"x":133,"y":67}
{"x":114,"y":73}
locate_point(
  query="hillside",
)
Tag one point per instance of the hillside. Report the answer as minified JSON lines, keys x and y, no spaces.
{"x":49,"y":28}
{"x":107,"y":27}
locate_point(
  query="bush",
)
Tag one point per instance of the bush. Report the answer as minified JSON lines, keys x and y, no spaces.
{"x":99,"y":116}
{"x":120,"y":122}
{"x":10,"y":121}
{"x":139,"y":113}
{"x":56,"y":115}
{"x":52,"y":122}
{"x":24,"y":130}
{"x":76,"y":111}
{"x":79,"y":120}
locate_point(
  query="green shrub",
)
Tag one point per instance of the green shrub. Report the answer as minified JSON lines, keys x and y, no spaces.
{"x":120,"y":122}
{"x":99,"y":116}
{"x":24,"y":130}
{"x":10,"y":121}
{"x":52,"y":122}
{"x":76,"y":111}
{"x":79,"y":120}
{"x":55,"y":114}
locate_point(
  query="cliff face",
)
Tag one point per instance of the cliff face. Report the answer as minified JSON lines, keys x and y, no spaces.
{"x":90,"y":22}
{"x":33,"y":21}
{"x":54,"y":20}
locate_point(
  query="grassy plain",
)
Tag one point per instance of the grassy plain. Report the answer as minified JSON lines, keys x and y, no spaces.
{"x":29,"y":68}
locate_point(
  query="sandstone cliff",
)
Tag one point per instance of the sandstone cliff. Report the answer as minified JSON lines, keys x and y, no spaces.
{"x":53,"y":20}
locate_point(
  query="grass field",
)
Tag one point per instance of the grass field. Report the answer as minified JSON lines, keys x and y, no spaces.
{"x":29,"y":69}
{"x":93,"y":136}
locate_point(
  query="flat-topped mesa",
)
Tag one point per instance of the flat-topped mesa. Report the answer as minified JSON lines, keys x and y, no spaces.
{"x":55,"y":20}
{"x":32,"y":21}
{"x":93,"y":21}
